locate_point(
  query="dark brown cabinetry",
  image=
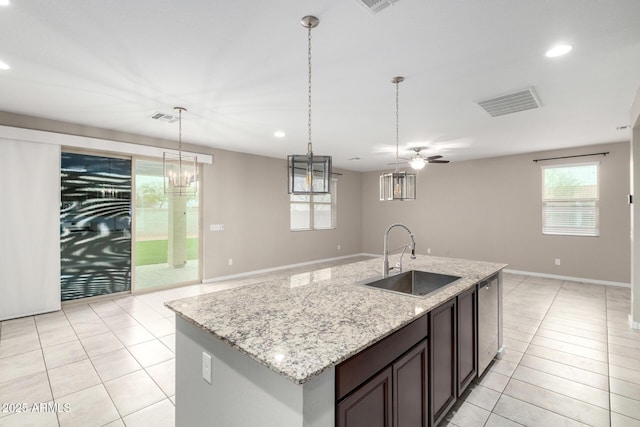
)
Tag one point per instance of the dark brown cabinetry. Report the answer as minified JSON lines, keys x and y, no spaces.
{"x":369,"y":405}
{"x":410,"y":388}
{"x":442,"y":360}
{"x":414,"y":376}
{"x":395,"y":397}
{"x":467,"y":338}
{"x":386,"y":384}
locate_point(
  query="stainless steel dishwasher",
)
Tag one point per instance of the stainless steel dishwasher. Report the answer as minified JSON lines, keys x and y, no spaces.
{"x":489,"y":322}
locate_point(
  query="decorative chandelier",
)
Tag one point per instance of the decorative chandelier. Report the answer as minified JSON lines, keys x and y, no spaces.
{"x":181,"y":169}
{"x":308,"y":173}
{"x":397,"y":185}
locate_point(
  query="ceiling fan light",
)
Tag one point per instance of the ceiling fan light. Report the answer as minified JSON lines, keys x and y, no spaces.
{"x":417,"y":163}
{"x":558,"y":50}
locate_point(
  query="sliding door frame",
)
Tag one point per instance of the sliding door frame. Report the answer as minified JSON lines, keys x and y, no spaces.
{"x":195,"y":281}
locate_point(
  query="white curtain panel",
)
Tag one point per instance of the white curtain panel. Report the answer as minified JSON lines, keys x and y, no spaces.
{"x":30,"y":228}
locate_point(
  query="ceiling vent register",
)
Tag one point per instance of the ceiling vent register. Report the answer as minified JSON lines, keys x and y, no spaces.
{"x":163,"y":117}
{"x":375,"y":6}
{"x":511,"y":103}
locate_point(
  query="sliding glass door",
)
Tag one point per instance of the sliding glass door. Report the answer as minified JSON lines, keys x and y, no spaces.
{"x":95,"y":225}
{"x":166,"y":231}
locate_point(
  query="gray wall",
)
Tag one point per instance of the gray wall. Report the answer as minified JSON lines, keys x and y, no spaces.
{"x":490,"y":209}
{"x":248,"y":194}
{"x":486,"y":209}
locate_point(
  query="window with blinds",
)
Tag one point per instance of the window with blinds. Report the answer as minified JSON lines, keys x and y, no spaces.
{"x":570,"y":199}
{"x":314,"y":212}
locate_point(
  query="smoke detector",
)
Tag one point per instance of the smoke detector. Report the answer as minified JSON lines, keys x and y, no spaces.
{"x":164,"y":117}
{"x":521,"y":100}
{"x":375,"y":6}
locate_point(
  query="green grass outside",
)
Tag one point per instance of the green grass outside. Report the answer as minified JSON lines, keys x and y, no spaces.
{"x":155,"y":251}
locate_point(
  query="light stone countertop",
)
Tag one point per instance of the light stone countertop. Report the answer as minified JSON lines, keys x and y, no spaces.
{"x":303,"y":324}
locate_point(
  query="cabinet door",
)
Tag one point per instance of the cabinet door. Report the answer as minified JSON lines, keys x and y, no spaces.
{"x":369,"y":405}
{"x":410,"y":388}
{"x":467,"y":339}
{"x":442,"y":360}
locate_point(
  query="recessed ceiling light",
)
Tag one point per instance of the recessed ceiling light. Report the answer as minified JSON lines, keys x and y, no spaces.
{"x":4,"y":65}
{"x":558,"y":50}
{"x":4,"y":2}
{"x":354,"y":158}
{"x":623,"y":127}
{"x":279,"y":134}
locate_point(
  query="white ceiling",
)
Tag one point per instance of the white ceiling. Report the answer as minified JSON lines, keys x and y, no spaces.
{"x":240,"y":68}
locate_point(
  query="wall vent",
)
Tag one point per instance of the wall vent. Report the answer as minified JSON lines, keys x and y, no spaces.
{"x":163,"y":117}
{"x":375,"y":6}
{"x":510,"y":103}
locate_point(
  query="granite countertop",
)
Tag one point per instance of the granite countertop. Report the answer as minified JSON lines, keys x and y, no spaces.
{"x":303,"y":324}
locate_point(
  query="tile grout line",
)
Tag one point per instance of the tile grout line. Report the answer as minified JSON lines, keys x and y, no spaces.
{"x":606,"y":319}
{"x":46,"y":369}
{"x":518,"y":364}
{"x":609,"y":391}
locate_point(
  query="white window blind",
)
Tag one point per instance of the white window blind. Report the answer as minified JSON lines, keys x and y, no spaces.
{"x":570,"y":199}
{"x":314,"y":212}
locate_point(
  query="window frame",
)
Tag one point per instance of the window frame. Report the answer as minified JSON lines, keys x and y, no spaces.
{"x":559,"y":230}
{"x":312,"y":202}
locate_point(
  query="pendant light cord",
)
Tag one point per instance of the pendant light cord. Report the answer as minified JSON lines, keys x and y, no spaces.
{"x":180,"y":132}
{"x":309,"y":146}
{"x":397,"y":122}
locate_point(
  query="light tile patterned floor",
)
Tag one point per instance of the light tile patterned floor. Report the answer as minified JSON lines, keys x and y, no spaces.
{"x":571,"y":360}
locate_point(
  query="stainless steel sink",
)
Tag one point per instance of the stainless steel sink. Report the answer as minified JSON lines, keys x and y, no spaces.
{"x":413,"y":282}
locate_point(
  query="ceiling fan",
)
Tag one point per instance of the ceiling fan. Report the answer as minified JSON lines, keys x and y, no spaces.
{"x":418,"y":161}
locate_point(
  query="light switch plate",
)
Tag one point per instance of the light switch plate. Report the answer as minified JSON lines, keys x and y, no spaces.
{"x":206,"y":367}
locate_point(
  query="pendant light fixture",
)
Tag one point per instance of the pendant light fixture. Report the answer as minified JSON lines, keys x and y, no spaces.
{"x":397,"y":185}
{"x":180,"y":170}
{"x":308,"y":173}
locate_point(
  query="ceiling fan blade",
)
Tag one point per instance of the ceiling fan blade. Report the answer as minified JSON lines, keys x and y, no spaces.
{"x":394,"y":163}
{"x":434,"y":157}
{"x":437,"y":161}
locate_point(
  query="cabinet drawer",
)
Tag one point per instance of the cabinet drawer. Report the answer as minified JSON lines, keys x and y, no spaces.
{"x":359,"y":368}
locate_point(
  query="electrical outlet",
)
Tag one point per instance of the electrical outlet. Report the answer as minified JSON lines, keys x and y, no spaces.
{"x":428,"y":251}
{"x":557,"y":261}
{"x":230,"y":262}
{"x":206,"y":367}
{"x":338,"y":247}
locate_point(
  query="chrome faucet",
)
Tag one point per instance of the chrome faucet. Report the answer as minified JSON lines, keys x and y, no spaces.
{"x":412,"y":246}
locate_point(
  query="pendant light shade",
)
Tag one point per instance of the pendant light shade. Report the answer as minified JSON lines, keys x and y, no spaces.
{"x":308,"y":173}
{"x":397,"y":185}
{"x":180,"y":170}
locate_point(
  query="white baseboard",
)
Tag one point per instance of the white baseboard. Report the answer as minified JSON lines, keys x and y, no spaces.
{"x":634,"y":325}
{"x":573,"y":279}
{"x":302,"y":264}
{"x":282,"y":267}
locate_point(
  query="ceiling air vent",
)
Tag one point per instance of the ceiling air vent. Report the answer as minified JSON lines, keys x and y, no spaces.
{"x":163,"y":117}
{"x":511,"y":103}
{"x":375,"y":6}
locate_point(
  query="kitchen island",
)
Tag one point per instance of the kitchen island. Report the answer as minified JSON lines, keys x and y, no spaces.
{"x":265,"y":353}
